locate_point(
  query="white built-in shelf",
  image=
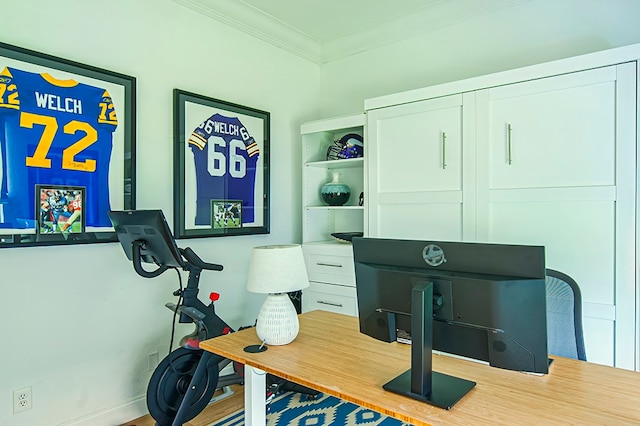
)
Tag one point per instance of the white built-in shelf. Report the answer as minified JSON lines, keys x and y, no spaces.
{"x":319,"y":220}
{"x":337,"y":164}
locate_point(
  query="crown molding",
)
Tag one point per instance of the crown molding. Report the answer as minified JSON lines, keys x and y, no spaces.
{"x":255,"y":22}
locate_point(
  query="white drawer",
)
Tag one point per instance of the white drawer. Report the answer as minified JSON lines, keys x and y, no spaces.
{"x":330,"y":264}
{"x":332,"y":298}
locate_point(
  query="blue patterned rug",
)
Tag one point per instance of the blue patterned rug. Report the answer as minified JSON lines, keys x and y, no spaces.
{"x":293,"y":409}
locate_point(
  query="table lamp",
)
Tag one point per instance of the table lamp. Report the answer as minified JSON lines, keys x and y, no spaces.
{"x":277,"y":270}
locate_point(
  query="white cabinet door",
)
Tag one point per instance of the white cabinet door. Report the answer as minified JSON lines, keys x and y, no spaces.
{"x":418,"y":146}
{"x":579,"y":240}
{"x":554,"y":132}
{"x":555,"y":167}
{"x":415,"y":167}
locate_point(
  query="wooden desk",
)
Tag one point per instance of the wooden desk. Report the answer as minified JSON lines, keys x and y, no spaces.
{"x":332,"y":356}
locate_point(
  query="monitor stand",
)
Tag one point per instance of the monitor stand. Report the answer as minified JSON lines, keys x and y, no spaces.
{"x":421,"y":382}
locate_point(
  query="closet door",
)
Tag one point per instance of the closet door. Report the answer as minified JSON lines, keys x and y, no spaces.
{"x":415,"y":173}
{"x":555,"y":167}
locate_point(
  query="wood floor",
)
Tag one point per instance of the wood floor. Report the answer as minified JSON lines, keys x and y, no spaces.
{"x":210,"y":414}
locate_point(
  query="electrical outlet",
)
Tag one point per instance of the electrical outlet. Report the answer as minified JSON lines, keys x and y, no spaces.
{"x":21,"y":400}
{"x":153,"y":360}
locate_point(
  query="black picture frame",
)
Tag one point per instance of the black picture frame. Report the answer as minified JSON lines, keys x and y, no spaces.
{"x":76,"y":126}
{"x":221,"y":158}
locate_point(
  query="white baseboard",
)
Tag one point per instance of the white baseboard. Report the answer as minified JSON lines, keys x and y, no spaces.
{"x":113,"y":416}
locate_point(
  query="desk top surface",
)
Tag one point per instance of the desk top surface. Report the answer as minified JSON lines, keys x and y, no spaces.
{"x":331,"y":355}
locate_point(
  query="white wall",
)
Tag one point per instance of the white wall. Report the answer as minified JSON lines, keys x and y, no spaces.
{"x":82,"y":342}
{"x":532,"y":32}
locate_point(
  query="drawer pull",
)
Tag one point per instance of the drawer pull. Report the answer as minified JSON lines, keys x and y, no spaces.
{"x":509,"y":158}
{"x":444,"y":147}
{"x":332,"y":265}
{"x":322,"y":302}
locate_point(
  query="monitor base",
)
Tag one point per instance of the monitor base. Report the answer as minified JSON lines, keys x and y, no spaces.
{"x":445,"y":390}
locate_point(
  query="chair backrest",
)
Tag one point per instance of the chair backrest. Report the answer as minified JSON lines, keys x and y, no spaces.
{"x":564,"y":316}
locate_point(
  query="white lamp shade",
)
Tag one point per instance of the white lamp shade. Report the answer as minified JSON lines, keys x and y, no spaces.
{"x":277,"y":269}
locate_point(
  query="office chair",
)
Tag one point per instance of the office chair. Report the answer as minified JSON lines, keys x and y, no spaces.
{"x":564,"y":316}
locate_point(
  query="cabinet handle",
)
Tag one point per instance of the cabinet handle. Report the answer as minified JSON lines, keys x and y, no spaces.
{"x":509,"y":142}
{"x":322,"y":302}
{"x":332,"y":265}
{"x":444,"y":150}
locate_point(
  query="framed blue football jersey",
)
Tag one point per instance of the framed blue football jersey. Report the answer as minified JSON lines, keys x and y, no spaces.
{"x":55,"y":132}
{"x":67,"y":129}
{"x":221,"y":170}
{"x":212,"y":143}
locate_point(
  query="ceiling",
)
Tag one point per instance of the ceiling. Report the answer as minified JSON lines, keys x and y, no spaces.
{"x":326,"y":30}
{"x":329,"y":20}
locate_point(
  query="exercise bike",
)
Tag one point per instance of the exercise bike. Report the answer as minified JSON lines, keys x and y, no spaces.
{"x":184,"y":382}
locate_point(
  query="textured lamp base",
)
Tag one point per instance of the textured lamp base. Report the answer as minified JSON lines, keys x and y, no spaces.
{"x":278,"y":320}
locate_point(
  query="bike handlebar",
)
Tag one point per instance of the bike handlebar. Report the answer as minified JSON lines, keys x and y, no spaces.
{"x":193,"y":258}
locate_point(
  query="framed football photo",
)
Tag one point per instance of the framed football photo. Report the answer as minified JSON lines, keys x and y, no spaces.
{"x":59,"y":211}
{"x":221,"y":168}
{"x":67,"y":140}
{"x":226,"y":213}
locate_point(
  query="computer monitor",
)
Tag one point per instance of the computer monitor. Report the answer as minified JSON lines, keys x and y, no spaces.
{"x":476,"y":300}
{"x":150,"y":230}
